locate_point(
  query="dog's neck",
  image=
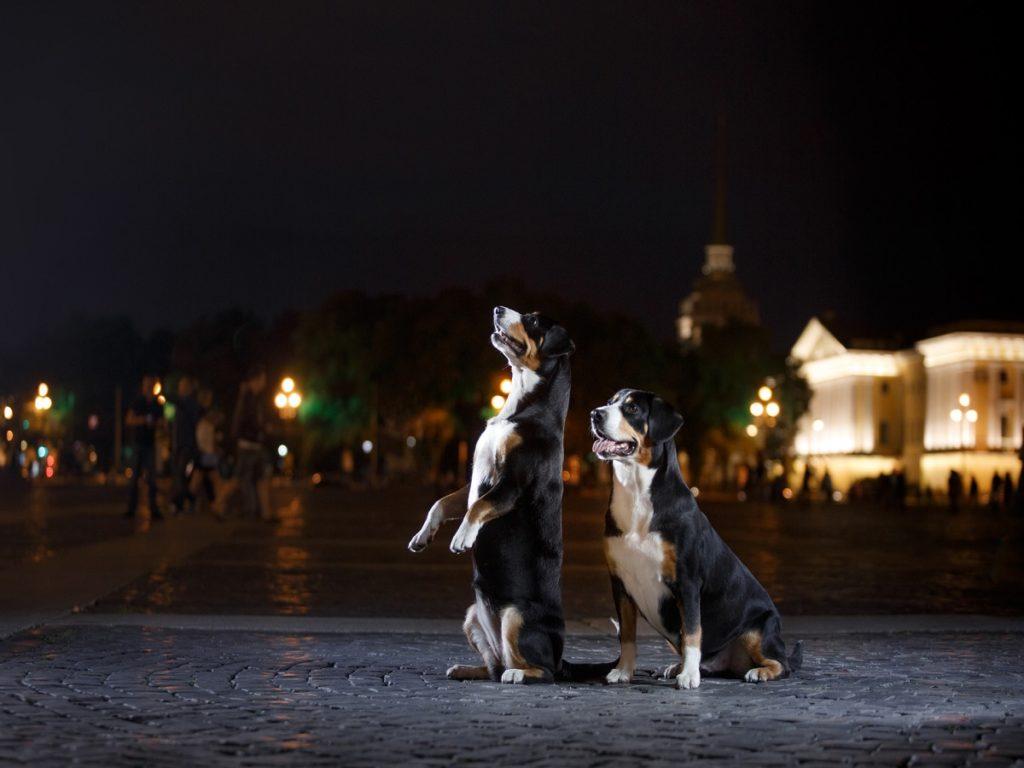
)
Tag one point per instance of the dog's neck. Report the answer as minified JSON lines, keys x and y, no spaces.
{"x":535,"y":391}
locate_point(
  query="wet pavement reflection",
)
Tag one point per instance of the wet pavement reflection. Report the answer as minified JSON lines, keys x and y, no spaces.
{"x":335,"y":552}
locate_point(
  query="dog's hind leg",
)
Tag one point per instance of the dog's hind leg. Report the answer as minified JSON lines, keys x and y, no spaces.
{"x":764,"y":668}
{"x":479,"y":641}
{"x":515,"y":640}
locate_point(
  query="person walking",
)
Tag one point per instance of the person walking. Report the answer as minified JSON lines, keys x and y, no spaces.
{"x":249,"y":429}
{"x":207,"y":470}
{"x":185,"y":451}
{"x":995,"y":492}
{"x":954,"y":489}
{"x":144,"y":416}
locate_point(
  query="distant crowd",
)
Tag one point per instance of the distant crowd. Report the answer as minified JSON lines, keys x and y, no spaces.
{"x":213,"y":463}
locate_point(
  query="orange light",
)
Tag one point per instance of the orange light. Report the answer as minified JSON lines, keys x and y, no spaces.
{"x":294,"y":400}
{"x":505,"y":386}
{"x":287,"y":384}
{"x":497,"y":402}
{"x":281,"y":400}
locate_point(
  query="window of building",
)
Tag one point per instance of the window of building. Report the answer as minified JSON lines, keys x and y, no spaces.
{"x":1004,"y":427}
{"x":885,"y":387}
{"x":883,"y":432}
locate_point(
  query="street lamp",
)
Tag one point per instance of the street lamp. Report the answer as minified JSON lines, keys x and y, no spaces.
{"x":42,"y":402}
{"x":963,"y":416}
{"x":288,"y":398}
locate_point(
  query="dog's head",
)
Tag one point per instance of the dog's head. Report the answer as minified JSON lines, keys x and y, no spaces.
{"x":530,"y":341}
{"x":630,"y":426}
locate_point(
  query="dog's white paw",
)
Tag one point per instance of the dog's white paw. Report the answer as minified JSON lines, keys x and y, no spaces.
{"x":464,"y":538}
{"x":672,"y":670}
{"x":618,"y":676}
{"x":758,"y":675}
{"x":419,"y":542}
{"x":688,"y":679}
{"x":512,"y":676}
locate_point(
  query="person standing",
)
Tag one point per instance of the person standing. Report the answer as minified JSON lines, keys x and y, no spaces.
{"x":954,"y":489}
{"x":249,"y":429}
{"x":185,"y":452}
{"x":208,"y":462}
{"x":144,"y":416}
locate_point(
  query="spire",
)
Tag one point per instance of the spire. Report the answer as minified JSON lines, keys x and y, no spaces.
{"x":718,"y":236}
{"x":718,"y":253}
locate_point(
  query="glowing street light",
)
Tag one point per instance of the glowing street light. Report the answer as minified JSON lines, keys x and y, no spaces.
{"x":818,"y":425}
{"x":44,"y":389}
{"x":772,"y":409}
{"x":42,"y":401}
{"x":752,"y":430}
{"x":756,"y":409}
{"x":288,"y":398}
{"x":956,"y":415}
{"x":8,"y":412}
{"x":765,"y":393}
{"x":497,"y":402}
{"x":964,"y":400}
{"x":972,"y":415}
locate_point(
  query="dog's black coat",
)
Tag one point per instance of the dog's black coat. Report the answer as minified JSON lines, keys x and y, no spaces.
{"x":729,"y":599}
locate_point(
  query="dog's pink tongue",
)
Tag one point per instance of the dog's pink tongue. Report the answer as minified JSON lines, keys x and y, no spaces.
{"x":601,"y":445}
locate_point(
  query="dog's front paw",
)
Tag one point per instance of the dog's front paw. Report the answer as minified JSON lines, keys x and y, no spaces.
{"x":464,"y":538}
{"x":688,"y":679}
{"x":672,"y":670}
{"x":419,"y":542}
{"x":618,"y":676}
{"x":513,"y":676}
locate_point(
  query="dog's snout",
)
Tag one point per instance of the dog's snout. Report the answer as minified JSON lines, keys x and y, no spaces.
{"x":596,"y":416}
{"x":499,"y":312}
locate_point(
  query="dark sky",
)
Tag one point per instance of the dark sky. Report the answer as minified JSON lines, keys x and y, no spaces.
{"x":167,"y":159}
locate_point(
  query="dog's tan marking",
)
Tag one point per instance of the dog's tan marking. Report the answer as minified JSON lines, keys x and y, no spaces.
{"x":467,"y":672}
{"x":643,"y":445}
{"x":511,"y":625}
{"x":765,"y":669}
{"x":530,"y":357}
{"x":668,"y":563}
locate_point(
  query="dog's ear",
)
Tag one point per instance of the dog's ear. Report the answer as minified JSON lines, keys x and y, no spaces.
{"x":557,"y":342}
{"x":663,"y":421}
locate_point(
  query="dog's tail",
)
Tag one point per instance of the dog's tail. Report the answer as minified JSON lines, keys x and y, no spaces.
{"x":796,"y":658}
{"x":584,"y":672}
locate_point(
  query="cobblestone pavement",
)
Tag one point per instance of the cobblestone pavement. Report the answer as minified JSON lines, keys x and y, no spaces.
{"x":134,"y":696}
{"x":332,"y":552}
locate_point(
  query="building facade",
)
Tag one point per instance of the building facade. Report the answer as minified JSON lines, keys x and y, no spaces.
{"x":953,"y":401}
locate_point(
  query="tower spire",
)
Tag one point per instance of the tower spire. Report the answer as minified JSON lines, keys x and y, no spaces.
{"x":718,"y":230}
{"x":718,"y":253}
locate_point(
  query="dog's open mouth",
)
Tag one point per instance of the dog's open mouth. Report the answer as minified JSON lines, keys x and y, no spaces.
{"x":499,"y":335}
{"x":606,"y":447}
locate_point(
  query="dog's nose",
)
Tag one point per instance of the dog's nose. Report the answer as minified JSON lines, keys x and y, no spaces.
{"x":499,"y":311}
{"x":596,"y":416}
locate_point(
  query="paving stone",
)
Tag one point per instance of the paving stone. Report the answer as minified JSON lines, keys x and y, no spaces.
{"x":96,"y":695}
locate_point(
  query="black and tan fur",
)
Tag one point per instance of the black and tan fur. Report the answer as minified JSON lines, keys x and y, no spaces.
{"x":669,"y":565}
{"x":512,"y":511}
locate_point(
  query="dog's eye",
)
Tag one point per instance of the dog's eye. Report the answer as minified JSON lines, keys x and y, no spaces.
{"x":630,"y":408}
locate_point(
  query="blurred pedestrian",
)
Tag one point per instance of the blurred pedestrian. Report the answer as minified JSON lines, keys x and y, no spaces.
{"x":972,"y":493}
{"x":183,"y":440}
{"x":826,"y":486}
{"x":995,"y":492}
{"x":249,"y":429}
{"x":207,"y":470}
{"x":900,"y":490}
{"x":144,"y":416}
{"x":954,"y":489}
{"x":1007,"y":492}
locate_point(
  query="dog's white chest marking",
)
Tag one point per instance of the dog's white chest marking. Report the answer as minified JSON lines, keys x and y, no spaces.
{"x":488,"y":455}
{"x":637,"y":555}
{"x":489,"y":451}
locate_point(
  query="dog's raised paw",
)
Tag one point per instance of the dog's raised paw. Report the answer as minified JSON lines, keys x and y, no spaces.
{"x":688,"y":679}
{"x":513,"y":676}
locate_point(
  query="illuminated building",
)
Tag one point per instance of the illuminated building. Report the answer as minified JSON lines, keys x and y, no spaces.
{"x":876,"y":410}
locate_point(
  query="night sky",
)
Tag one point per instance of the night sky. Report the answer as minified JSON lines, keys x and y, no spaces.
{"x":168,"y":159}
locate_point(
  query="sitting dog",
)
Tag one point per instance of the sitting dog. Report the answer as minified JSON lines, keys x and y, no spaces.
{"x":512,"y":511}
{"x":669,"y":565}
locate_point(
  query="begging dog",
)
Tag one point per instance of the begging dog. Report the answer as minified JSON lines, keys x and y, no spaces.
{"x":512,"y":511}
{"x":669,"y":565}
